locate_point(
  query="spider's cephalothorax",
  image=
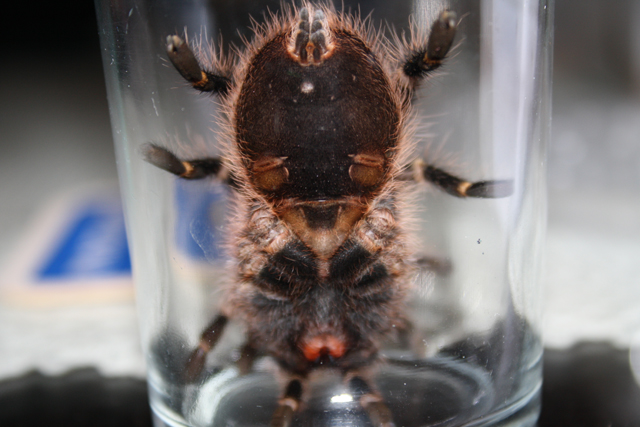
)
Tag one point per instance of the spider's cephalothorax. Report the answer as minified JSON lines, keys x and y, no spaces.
{"x":316,"y":110}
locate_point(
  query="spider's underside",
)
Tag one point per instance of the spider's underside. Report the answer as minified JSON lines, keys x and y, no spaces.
{"x":316,"y":110}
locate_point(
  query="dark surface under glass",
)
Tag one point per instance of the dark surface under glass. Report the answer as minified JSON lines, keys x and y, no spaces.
{"x":588,"y":385}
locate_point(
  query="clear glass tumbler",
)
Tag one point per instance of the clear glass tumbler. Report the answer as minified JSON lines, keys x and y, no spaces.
{"x":435,"y":322}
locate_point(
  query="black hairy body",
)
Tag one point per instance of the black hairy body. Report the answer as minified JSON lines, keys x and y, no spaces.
{"x":316,"y":112}
{"x":321,"y":312}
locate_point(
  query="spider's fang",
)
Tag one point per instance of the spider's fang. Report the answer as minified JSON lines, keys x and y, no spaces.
{"x":311,"y":40}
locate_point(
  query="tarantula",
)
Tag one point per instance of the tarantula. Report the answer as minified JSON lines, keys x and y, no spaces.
{"x":316,"y":111}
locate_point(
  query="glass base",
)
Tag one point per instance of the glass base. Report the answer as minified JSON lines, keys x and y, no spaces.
{"x":437,"y":392}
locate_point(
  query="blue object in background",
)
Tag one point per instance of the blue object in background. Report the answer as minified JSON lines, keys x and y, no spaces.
{"x":93,"y":246}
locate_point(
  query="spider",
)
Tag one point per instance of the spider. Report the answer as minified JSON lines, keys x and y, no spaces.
{"x":316,"y":111}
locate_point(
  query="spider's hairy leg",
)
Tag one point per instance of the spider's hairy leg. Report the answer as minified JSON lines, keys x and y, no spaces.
{"x":183,"y":59}
{"x":371,"y":402}
{"x":456,"y":186}
{"x":451,"y":184}
{"x":288,"y":404}
{"x":439,"y":266}
{"x":248,"y":354}
{"x":187,"y":169}
{"x":426,"y":58}
{"x":208,"y":340}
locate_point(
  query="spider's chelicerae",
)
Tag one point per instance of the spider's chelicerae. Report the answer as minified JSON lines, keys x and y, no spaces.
{"x":316,"y":110}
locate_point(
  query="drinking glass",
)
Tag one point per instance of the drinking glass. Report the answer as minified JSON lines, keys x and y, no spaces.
{"x":470,"y":353}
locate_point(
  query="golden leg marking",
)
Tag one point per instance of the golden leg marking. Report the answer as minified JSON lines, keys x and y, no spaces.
{"x":288,"y":404}
{"x":463,"y":187}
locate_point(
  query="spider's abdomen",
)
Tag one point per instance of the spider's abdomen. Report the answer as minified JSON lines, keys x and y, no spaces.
{"x":308,"y":310}
{"x":320,"y":130}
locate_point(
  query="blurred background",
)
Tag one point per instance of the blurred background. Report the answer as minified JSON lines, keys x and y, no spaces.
{"x":58,"y":191}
